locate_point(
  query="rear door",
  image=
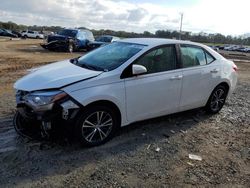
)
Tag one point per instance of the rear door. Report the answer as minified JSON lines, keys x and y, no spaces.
{"x":157,"y":92}
{"x":200,"y":75}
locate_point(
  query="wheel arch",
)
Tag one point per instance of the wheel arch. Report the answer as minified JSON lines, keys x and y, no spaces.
{"x":225,"y":84}
{"x":109,"y":104}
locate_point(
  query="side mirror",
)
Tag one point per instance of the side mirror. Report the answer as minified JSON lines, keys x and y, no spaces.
{"x":138,"y":69}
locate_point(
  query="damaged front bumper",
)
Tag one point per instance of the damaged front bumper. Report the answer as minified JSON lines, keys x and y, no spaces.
{"x":55,"y":45}
{"x":52,"y":111}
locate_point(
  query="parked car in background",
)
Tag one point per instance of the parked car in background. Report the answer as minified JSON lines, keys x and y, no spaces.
{"x":7,"y":33}
{"x":240,"y":49}
{"x":246,"y":49}
{"x":32,"y":34}
{"x":18,"y":34}
{"x":102,"y":40}
{"x":124,"y":82}
{"x":235,"y":48}
{"x":214,"y":48}
{"x":220,"y":47}
{"x":229,"y":48}
{"x":69,"y":40}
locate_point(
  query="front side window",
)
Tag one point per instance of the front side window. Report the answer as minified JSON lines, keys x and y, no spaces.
{"x":110,"y":56}
{"x":159,"y":60}
{"x":192,"y":56}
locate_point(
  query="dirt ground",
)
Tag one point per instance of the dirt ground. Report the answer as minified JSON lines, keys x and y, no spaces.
{"x":147,"y":154}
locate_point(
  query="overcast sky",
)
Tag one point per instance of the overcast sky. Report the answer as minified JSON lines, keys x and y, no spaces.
{"x":213,"y":16}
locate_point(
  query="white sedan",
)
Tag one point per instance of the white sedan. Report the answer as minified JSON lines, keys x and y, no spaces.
{"x":32,"y":34}
{"x":124,"y":82}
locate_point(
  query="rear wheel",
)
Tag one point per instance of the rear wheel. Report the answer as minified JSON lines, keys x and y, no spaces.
{"x":216,"y":100}
{"x":97,"y":125}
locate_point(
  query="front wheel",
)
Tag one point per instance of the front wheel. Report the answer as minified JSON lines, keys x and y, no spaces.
{"x":25,"y":127}
{"x":97,"y":125}
{"x":217,"y":100}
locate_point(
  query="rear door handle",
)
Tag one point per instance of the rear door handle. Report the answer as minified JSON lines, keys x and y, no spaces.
{"x":179,"y":77}
{"x":214,"y":71}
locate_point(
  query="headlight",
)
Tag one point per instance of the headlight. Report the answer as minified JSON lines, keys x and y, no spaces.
{"x":44,"y":97}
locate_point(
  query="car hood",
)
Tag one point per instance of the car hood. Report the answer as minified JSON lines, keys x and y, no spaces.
{"x":98,"y":42}
{"x":57,"y":38}
{"x":55,"y":75}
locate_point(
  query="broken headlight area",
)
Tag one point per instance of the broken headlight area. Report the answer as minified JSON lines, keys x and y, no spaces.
{"x":48,"y":112}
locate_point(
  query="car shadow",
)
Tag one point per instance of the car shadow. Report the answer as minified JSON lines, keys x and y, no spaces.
{"x":23,"y":159}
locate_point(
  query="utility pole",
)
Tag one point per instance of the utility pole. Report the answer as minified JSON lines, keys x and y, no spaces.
{"x":181,"y":26}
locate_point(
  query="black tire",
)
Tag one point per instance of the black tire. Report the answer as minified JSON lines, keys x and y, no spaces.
{"x":37,"y":37}
{"x":216,"y":100}
{"x":25,"y":36}
{"x":87,"y":127}
{"x":26,"y":128}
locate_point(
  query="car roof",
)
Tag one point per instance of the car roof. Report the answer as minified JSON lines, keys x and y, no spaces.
{"x":154,"y":42}
{"x":84,"y":30}
{"x":157,"y":41}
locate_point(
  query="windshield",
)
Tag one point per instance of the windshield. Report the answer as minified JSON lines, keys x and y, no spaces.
{"x":104,"y":39}
{"x":67,"y":32}
{"x":109,"y":57}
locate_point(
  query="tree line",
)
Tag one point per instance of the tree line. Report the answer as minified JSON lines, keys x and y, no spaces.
{"x":200,"y":37}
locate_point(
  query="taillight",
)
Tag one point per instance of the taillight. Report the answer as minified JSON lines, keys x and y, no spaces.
{"x":235,"y":68}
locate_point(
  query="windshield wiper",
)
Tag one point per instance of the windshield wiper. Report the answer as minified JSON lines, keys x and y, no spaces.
{"x":92,"y":67}
{"x":85,"y":65}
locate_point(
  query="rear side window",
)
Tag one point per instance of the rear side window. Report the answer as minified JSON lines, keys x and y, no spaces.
{"x":90,"y":36}
{"x":159,"y":60}
{"x":192,"y":56}
{"x":81,"y":35}
{"x":210,"y":58}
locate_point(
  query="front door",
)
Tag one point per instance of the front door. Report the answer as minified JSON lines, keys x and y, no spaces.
{"x":157,"y":92}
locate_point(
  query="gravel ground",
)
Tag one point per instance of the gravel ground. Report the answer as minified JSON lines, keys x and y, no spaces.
{"x":152,"y":153}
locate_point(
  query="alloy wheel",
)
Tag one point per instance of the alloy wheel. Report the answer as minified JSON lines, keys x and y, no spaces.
{"x":97,"y":126}
{"x":217,"y":100}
